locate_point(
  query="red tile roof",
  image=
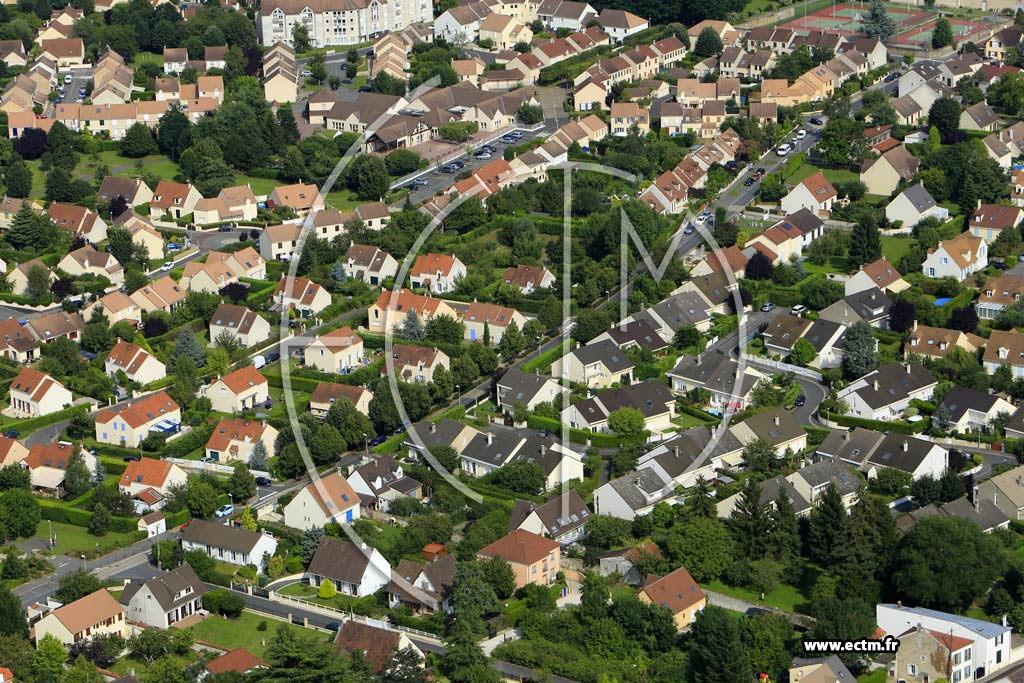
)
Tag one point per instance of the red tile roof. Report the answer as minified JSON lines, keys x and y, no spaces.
{"x":521,"y":547}
{"x":240,"y":660}
{"x":677,"y":591}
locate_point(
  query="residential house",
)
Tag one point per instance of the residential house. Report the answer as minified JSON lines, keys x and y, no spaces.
{"x":240,"y":661}
{"x":621,"y":24}
{"x":813,"y":193}
{"x":781,"y":243}
{"x":415,"y":364}
{"x":728,"y":386}
{"x":640,"y":334}
{"x":999,"y":42}
{"x":651,"y":398}
{"x":881,"y":175}
{"x":18,"y":277}
{"x":989,"y":646}
{"x":382,"y":481}
{"x":175,"y":59}
{"x":596,"y":365}
{"x":529,"y":389}
{"x":338,"y":351}
{"x":562,"y":519}
{"x":137,"y":364}
{"x":356,"y":570}
{"x":79,"y":221}
{"x":679,"y":593}
{"x":1007,"y":145}
{"x":34,"y":394}
{"x":884,"y":394}
{"x":503,"y":31}
{"x":165,"y":599}
{"x":238,"y":391}
{"x":301,"y":294}
{"x":247,"y":327}
{"x":870,"y":305}
{"x":300,"y":198}
{"x":162,"y":294}
{"x":881,"y":275}
{"x":989,"y":219}
{"x":556,"y":14}
{"x":392,"y":308}
{"x":52,"y":326}
{"x":228,"y":543}
{"x":279,"y":242}
{"x":96,"y":614}
{"x":997,"y":294}
{"x":870,"y":451}
{"x":376,"y":645}
{"x":88,"y":261}
{"x":936,"y":342}
{"x":726,"y":31}
{"x":424,"y":588}
{"x":174,"y":200}
{"x":819,"y":670}
{"x":65,"y":51}
{"x":326,"y":393}
{"x":1005,"y":349}
{"x":436,"y":273}
{"x":528,"y":279}
{"x":775,"y":425}
{"x":133,"y":191}
{"x":12,"y":53}
{"x":534,"y":559}
{"x":148,"y":481}
{"x":1006,"y":491}
{"x":629,"y":116}
{"x":623,"y":562}
{"x":979,"y":116}
{"x":493,"y":319}
{"x":959,"y":257}
{"x":12,"y":451}
{"x":805,"y":488}
{"x":461,"y":24}
{"x":47,"y":464}
{"x":17,"y":343}
{"x":129,"y":423}
{"x":973,"y":411}
{"x":329,"y":498}
{"x":236,"y":438}
{"x":633,"y":495}
{"x":372,"y":265}
{"x":912,"y":206}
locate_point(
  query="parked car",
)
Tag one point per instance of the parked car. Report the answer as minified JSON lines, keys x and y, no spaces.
{"x":801,"y":134}
{"x":480,"y":154}
{"x":378,"y":440}
{"x":488,"y":148}
{"x":131,"y":458}
{"x":516,"y":135}
{"x":263,"y":481}
{"x":185,"y":525}
{"x":273,"y":357}
{"x":769,"y":306}
{"x":798,"y":310}
{"x":749,"y":181}
{"x":421,"y":182}
{"x":224,"y":510}
{"x":892,"y":77}
{"x":412,"y":187}
{"x":800,"y":400}
{"x":449,"y":168}
{"x":689,"y":229}
{"x":815,"y":121}
{"x":173,"y":246}
{"x":12,"y":434}
{"x":224,"y":228}
{"x":365,"y":88}
{"x":459,"y":164}
{"x":306,"y":73}
{"x":68,"y":78}
{"x":167,"y":267}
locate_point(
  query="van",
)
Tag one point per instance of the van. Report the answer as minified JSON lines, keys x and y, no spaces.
{"x":783,"y":150}
{"x":258,"y":362}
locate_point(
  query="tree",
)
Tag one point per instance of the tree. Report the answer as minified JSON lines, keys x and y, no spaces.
{"x":521,"y":476}
{"x":703,"y":545}
{"x":749,"y":521}
{"x":200,"y":497}
{"x":717,"y":654}
{"x":186,"y":344}
{"x":803,"y":352}
{"x":100,"y":522}
{"x":529,"y":114}
{"x":945,"y":116}
{"x":444,"y":329}
{"x":327,"y":590}
{"x":471,"y":596}
{"x":512,"y":342}
{"x":708,"y":44}
{"x":942,"y":33}
{"x":759,"y":267}
{"x":138,"y":142}
{"x":18,"y":178}
{"x":259,"y":458}
{"x":945,"y":563}
{"x":828,"y":522}
{"x":405,"y":666}
{"x":83,"y":671}
{"x":402,"y":162}
{"x":186,"y":381}
{"x":20,"y":513}
{"x":76,"y":585}
{"x":50,"y":656}
{"x":626,"y":422}
{"x":387,"y":84}
{"x":859,"y":350}
{"x":902,"y":314}
{"x":594,"y":596}
{"x":12,"y":615}
{"x":865,"y":242}
{"x":498,"y":574}
{"x":877,"y":23}
{"x":300,"y":38}
{"x":241,"y":484}
{"x":77,"y":477}
{"x":761,"y":455}
{"x":37,"y":283}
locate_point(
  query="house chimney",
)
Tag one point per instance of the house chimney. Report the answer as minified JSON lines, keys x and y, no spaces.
{"x":543,"y":449}
{"x":490,"y":438}
{"x":876,"y":385}
{"x":908,"y":368}
{"x":899,"y":604}
{"x":915,"y":325}
{"x":433,"y":427}
{"x":675,"y":450}
{"x":906,"y":446}
{"x":776,"y":420}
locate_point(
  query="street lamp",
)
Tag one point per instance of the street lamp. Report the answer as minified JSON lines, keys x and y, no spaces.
{"x":366,"y":440}
{"x":83,"y":561}
{"x":459,"y":389}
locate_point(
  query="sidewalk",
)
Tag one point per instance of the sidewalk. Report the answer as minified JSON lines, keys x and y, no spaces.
{"x":508,"y":634}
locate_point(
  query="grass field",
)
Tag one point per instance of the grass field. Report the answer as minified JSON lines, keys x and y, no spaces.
{"x":833,"y":175}
{"x":895,"y":248}
{"x":543,"y":362}
{"x":343,"y":200}
{"x":785,"y":598}
{"x":72,"y":539}
{"x":147,"y":58}
{"x":260,"y":186}
{"x":241,"y":632}
{"x":876,"y":676}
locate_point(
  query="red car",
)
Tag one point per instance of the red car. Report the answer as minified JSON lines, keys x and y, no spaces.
{"x":185,"y":525}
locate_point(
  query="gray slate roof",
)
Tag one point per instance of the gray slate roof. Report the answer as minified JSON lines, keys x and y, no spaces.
{"x":631,"y":487}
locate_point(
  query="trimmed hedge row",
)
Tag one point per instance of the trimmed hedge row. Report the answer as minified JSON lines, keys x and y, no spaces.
{"x":701,"y":415}
{"x":184,"y":445}
{"x":578,"y":435}
{"x":55,"y":511}
{"x":877,"y":425}
{"x":34,"y":423}
{"x":815,"y":435}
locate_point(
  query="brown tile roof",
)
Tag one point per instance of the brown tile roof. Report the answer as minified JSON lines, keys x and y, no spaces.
{"x":169,"y":194}
{"x":127,"y":356}
{"x":995,"y":217}
{"x":138,"y":413}
{"x":428,"y":264}
{"x":677,"y":591}
{"x":520,"y":547}
{"x":339,"y":494}
{"x":492,"y":314}
{"x":88,"y":611}
{"x":147,"y":471}
{"x":56,"y":324}
{"x":235,"y":429}
{"x":238,"y":318}
{"x":64,"y":47}
{"x":1005,"y":289}
{"x":32,"y":382}
{"x":405,"y":301}
{"x":240,"y":660}
{"x":882,"y":273}
{"x":521,"y":275}
{"x":819,"y":187}
{"x":298,"y":196}
{"x":328,"y":392}
{"x":52,"y":454}
{"x":963,"y":248}
{"x":377,"y":645}
{"x":1011,"y":342}
{"x":299,"y":289}
{"x":243,"y":378}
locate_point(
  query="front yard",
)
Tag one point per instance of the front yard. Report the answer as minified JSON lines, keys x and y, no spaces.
{"x":75,"y":539}
{"x":232,"y":634}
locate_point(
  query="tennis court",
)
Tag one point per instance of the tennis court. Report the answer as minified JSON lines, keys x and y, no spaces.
{"x":921,"y":36}
{"x":846,"y":19}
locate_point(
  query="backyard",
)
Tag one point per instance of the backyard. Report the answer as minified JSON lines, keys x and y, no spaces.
{"x":75,"y":539}
{"x":244,"y":632}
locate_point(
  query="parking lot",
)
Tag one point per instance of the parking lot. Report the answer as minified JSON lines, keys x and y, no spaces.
{"x":79,"y":80}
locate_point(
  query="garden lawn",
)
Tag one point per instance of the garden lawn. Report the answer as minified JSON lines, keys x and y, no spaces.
{"x":72,"y":539}
{"x":343,"y":199}
{"x":895,"y":248}
{"x":876,"y":676}
{"x":687,"y":421}
{"x":38,"y":177}
{"x":833,"y":175}
{"x":241,"y":632}
{"x":785,"y":597}
{"x":147,"y":58}
{"x":543,"y":361}
{"x":260,"y":186}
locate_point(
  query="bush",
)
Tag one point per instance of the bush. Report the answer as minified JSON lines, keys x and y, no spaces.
{"x":327,"y":590}
{"x":223,"y":602}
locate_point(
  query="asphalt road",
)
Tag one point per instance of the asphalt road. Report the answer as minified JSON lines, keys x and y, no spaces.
{"x":79,"y":79}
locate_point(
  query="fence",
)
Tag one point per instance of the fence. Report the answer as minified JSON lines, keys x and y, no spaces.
{"x":378,"y":623}
{"x":784,"y":367}
{"x":211,"y":467}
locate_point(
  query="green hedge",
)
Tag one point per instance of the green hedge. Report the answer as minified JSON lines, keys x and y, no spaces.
{"x":160,"y":383}
{"x":298,"y":383}
{"x":815,"y":435}
{"x":115,"y":466}
{"x":877,"y":425}
{"x":34,"y":423}
{"x":187,"y":443}
{"x":697,"y":413}
{"x":578,"y":435}
{"x":56,"y":511}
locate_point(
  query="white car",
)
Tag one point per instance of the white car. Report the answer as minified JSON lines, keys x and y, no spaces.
{"x":701,"y":219}
{"x":68,"y":78}
{"x":306,"y":73}
{"x":167,"y":266}
{"x":801,"y":134}
{"x":224,"y":510}
{"x":783,"y":150}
